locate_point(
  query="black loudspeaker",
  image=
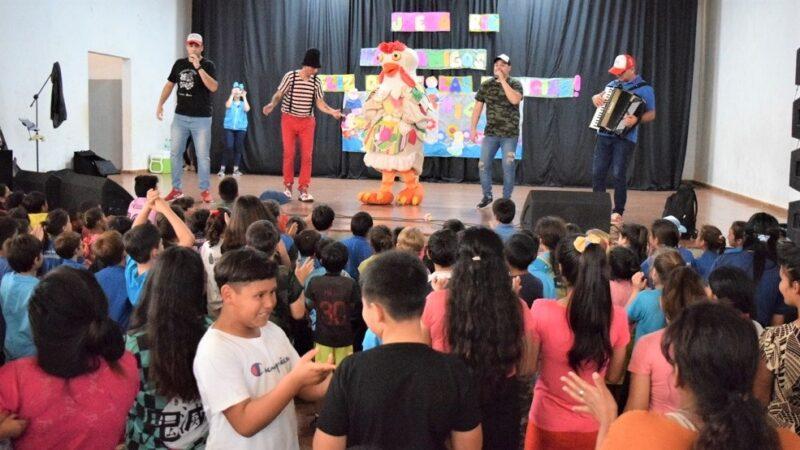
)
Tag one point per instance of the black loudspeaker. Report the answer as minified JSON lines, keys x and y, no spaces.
{"x":88,"y":162}
{"x":793,"y":222}
{"x":797,"y":69}
{"x":7,"y":168}
{"x":77,"y":189}
{"x":26,"y":181}
{"x":794,"y":170}
{"x":585,"y":209}
{"x":796,"y":119}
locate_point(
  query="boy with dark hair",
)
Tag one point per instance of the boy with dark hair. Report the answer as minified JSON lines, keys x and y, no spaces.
{"x":36,"y":205}
{"x":442,"y":250}
{"x":264,"y":236}
{"x":454,"y":225}
{"x":549,"y":230}
{"x":142,"y":184}
{"x":368,"y":404}
{"x":358,"y":248}
{"x":143,"y":243}
{"x":322,"y":218}
{"x":24,"y":253}
{"x":228,"y":191}
{"x":665,"y":233}
{"x":110,"y":252}
{"x":246,"y":369}
{"x":275,"y":209}
{"x":335,"y":298}
{"x":69,"y":249}
{"x":185,"y":203}
{"x":520,"y":251}
{"x":504,"y":211}
{"x":120,"y":224}
{"x":306,"y":242}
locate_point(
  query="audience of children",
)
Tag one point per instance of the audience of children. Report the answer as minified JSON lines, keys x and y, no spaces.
{"x":463,"y":355}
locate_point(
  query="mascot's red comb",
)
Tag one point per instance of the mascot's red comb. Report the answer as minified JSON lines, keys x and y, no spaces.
{"x":389,"y":47}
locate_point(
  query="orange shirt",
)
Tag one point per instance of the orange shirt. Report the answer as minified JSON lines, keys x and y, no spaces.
{"x":644,"y":430}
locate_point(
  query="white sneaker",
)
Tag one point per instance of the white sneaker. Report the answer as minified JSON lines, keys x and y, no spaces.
{"x":287,"y":191}
{"x":237,"y":172}
{"x":306,"y":197}
{"x":221,"y":172}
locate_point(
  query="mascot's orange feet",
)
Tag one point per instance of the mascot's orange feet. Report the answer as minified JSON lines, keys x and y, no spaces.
{"x":376,"y":198}
{"x":411,"y":196}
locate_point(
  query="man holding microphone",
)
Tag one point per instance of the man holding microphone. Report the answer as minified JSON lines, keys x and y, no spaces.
{"x":502,"y":96}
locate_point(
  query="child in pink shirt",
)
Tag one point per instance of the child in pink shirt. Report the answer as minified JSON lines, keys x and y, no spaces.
{"x":77,"y":392}
{"x":653,"y":384}
{"x":485,"y":304}
{"x":582,"y":333}
{"x":624,"y":264}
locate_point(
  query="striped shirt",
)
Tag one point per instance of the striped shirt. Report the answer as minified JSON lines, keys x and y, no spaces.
{"x":299,"y":95}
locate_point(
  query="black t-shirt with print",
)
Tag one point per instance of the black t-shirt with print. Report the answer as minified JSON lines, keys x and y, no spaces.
{"x":400,"y":396}
{"x":194,"y":98}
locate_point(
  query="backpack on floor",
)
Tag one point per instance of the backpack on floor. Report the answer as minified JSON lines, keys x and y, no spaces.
{"x":683,"y":205}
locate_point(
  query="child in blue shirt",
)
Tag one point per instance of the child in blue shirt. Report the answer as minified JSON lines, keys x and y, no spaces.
{"x":358,"y":247}
{"x":235,"y":124}
{"x":711,"y":241}
{"x":549,"y":230}
{"x":645,"y":311}
{"x":69,"y":249}
{"x":665,"y":233}
{"x":24,"y":253}
{"x":736,"y":236}
{"x":143,"y":242}
{"x":8,"y":229}
{"x":110,"y":251}
{"x":57,"y":222}
{"x":504,"y":211}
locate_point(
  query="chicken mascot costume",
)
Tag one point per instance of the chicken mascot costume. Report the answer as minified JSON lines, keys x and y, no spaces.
{"x":396,"y":116}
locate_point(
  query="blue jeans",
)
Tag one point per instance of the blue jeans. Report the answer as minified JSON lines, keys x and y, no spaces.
{"x":200,"y":130}
{"x":612,"y":152}
{"x":489,"y":148}
{"x":234,"y":147}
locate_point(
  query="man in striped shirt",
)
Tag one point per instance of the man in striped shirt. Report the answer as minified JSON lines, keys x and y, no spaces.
{"x":300,"y":90}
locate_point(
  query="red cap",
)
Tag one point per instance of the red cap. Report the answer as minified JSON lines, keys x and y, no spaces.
{"x":621,"y":64}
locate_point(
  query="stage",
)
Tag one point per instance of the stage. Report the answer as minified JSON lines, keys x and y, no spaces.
{"x":445,"y":201}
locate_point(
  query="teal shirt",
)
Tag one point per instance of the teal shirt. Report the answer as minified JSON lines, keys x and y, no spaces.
{"x":134,"y":281}
{"x":15,"y":295}
{"x":645,"y":311}
{"x":540,"y":268}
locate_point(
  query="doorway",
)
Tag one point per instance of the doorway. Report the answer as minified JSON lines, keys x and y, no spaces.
{"x":108,"y":115}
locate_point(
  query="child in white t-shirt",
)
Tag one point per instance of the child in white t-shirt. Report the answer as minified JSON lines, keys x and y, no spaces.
{"x":247,"y":371}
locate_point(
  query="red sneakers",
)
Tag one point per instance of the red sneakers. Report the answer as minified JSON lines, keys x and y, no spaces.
{"x":206,"y":197}
{"x":173,"y":194}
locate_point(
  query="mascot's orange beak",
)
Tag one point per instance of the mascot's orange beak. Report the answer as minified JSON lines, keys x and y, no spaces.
{"x":390,"y":68}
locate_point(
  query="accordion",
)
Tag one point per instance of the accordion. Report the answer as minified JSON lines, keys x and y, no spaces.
{"x":617,"y":103}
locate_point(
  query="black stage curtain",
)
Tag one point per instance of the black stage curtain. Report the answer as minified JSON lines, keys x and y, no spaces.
{"x":256,"y":42}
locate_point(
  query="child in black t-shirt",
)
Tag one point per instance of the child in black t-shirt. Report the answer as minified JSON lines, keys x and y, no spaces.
{"x":336,"y":300}
{"x":521,"y":249}
{"x":402,"y":394}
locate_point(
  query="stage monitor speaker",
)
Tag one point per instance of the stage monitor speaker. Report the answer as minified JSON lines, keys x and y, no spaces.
{"x":796,"y":119}
{"x":78,"y":189}
{"x":87,"y":162}
{"x":585,"y":209}
{"x":27,"y":181}
{"x":793,"y":222}
{"x":7,"y":168}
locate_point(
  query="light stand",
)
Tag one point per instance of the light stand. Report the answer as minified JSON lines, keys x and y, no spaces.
{"x":36,"y":136}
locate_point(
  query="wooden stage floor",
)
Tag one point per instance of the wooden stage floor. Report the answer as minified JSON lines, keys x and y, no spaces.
{"x":446,"y":201}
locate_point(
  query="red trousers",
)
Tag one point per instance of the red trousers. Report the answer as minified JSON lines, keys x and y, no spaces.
{"x":292,"y":129}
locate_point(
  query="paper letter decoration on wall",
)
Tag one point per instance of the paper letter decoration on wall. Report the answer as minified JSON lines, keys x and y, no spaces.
{"x":483,"y":23}
{"x":337,"y":83}
{"x":420,"y":21}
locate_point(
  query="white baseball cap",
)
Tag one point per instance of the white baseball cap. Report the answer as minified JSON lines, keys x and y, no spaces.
{"x":502,"y":57}
{"x":194,"y":37}
{"x":673,"y":219}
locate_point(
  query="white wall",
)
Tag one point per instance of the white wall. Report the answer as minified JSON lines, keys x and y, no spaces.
{"x":104,"y":67}
{"x":36,"y":33}
{"x":739,"y":139}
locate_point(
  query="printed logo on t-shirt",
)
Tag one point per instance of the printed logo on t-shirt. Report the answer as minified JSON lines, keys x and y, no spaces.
{"x":182,"y":423}
{"x":258,"y":369}
{"x":187,"y":79}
